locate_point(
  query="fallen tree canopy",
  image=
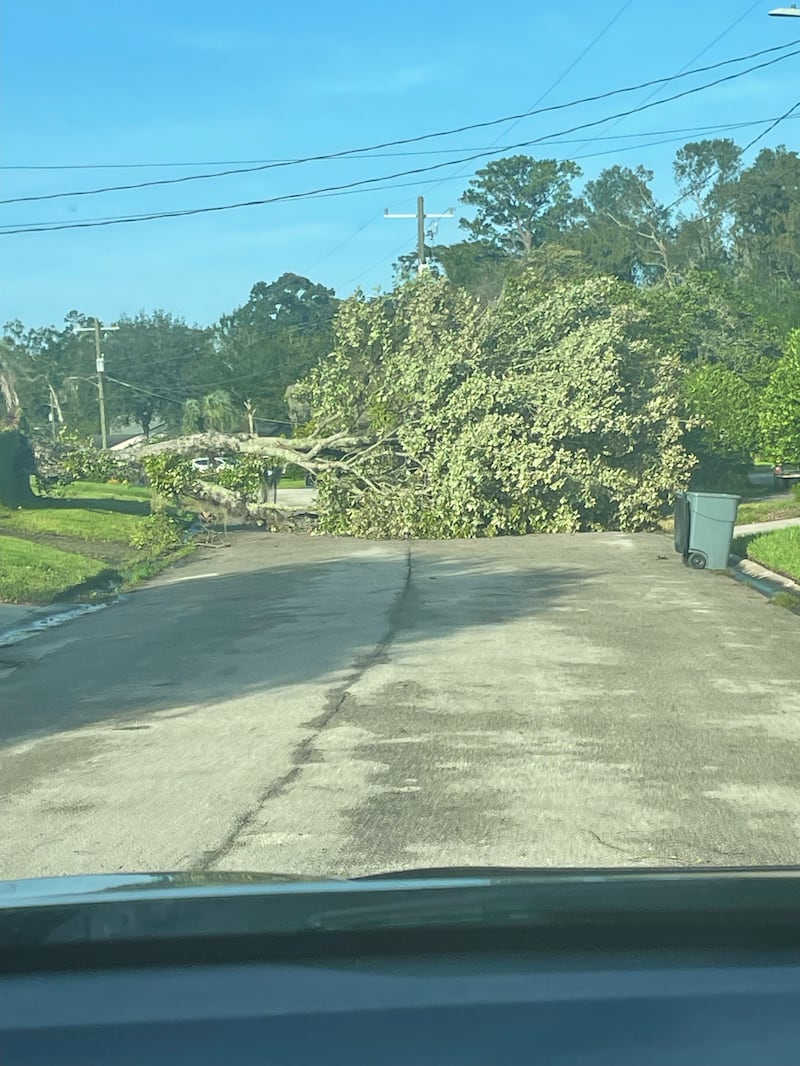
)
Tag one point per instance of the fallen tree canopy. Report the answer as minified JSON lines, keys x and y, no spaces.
{"x":311,"y":454}
{"x":337,"y":453}
{"x":555,"y":410}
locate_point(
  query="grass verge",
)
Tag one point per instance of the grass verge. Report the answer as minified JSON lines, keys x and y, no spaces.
{"x":768,"y":510}
{"x":779,"y":550}
{"x":109,"y":490}
{"x":72,"y":520}
{"x":78,"y":546}
{"x":35,"y":573}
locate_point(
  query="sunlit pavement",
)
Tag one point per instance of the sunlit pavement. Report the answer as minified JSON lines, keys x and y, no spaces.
{"x":310,"y":705}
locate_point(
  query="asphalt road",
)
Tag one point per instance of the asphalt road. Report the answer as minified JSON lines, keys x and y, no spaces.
{"x":318,"y":706}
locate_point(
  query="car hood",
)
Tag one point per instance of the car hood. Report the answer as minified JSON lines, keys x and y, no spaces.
{"x":110,"y":909}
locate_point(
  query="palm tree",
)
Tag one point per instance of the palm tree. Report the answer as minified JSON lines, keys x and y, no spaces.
{"x":216,"y":411}
{"x":10,"y":407}
{"x":16,"y":457}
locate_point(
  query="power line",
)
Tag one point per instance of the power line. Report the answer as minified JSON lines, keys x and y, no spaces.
{"x":180,"y":403}
{"x":694,"y":58}
{"x":759,"y":137}
{"x":582,"y":55}
{"x":382,"y":155}
{"x":364,"y":182}
{"x":432,"y":184}
{"x":374,"y":266}
{"x":543,"y":96}
{"x":408,"y":140}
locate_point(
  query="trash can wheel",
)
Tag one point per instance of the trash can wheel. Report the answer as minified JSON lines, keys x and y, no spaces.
{"x":697,"y":560}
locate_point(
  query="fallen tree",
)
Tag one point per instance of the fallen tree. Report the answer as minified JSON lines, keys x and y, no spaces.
{"x":555,"y":410}
{"x":338,"y":453}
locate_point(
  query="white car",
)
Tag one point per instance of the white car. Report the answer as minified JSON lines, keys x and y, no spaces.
{"x":206,"y":465}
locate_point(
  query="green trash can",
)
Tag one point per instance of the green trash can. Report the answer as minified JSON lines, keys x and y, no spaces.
{"x":704,"y":524}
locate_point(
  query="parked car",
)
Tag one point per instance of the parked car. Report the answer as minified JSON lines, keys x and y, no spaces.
{"x":206,"y":464}
{"x":787,"y":474}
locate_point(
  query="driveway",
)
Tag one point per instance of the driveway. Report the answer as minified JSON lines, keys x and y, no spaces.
{"x":322,"y":706}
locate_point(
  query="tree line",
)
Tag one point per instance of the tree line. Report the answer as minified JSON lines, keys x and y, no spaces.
{"x":581,"y":354}
{"x":162,"y":372}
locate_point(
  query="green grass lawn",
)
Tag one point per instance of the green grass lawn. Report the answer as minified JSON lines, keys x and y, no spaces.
{"x":68,"y":542}
{"x":35,"y":573}
{"x":778,"y":550}
{"x":95,"y":490}
{"x":69,"y":518}
{"x":768,"y":510}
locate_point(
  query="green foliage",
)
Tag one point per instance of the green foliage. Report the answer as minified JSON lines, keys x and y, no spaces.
{"x":727,"y":408}
{"x":271,"y":342}
{"x":780,"y":407}
{"x":553,"y":411}
{"x":765,"y":206}
{"x":479,"y":266}
{"x":778,"y":550}
{"x":705,"y":321}
{"x":158,"y":357}
{"x":16,"y":467}
{"x":521,"y":202}
{"x":623,"y":231}
{"x":157,"y":535}
{"x":9,"y":397}
{"x":246,"y":475}
{"x":170,"y":475}
{"x":75,"y":458}
{"x":214,"y":412}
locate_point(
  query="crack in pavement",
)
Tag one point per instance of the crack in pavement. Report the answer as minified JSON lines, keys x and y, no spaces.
{"x":304,"y":751}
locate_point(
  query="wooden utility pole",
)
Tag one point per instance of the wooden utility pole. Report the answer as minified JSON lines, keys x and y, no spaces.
{"x":100,"y":367}
{"x":250,"y":411}
{"x":420,"y":216}
{"x":56,"y":414}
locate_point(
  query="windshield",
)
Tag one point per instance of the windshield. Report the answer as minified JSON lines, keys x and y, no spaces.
{"x":399,"y":437}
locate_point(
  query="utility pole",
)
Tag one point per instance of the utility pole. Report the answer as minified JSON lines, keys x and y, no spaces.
{"x":56,"y":414}
{"x":420,"y":216}
{"x":100,"y":367}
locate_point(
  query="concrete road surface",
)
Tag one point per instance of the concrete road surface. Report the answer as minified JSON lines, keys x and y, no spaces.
{"x":311,"y":705}
{"x":296,"y":497}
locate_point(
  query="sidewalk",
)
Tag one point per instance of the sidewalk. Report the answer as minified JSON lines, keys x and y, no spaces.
{"x":764,"y":527}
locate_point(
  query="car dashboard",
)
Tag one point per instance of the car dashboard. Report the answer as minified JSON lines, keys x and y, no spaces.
{"x":597,"y":984}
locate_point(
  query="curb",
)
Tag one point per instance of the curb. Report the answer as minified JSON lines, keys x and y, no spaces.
{"x":758,"y":577}
{"x":41,"y":620}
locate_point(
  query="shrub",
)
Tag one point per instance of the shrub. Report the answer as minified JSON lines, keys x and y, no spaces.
{"x":157,"y":535}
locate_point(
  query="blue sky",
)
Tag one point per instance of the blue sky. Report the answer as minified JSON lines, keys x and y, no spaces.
{"x":201,"y":82}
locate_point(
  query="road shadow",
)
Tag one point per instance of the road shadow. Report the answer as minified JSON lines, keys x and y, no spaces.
{"x":90,"y":503}
{"x":210,"y":639}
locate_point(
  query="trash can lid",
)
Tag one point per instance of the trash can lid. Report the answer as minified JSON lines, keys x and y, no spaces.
{"x":714,"y":496}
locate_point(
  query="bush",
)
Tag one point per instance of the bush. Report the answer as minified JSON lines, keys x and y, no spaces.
{"x":170,"y":475}
{"x":780,"y":407}
{"x":245,"y":475}
{"x":157,"y":535}
{"x":74,"y":458}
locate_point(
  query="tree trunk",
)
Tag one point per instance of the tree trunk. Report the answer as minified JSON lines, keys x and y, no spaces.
{"x":16,"y":466}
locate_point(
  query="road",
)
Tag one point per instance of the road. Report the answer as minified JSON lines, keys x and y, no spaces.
{"x":323,"y":706}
